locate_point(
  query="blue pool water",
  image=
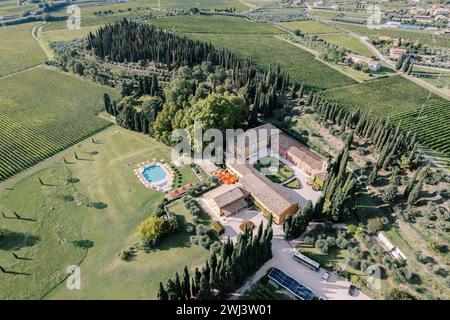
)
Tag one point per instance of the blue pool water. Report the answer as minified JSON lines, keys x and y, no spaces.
{"x":154,"y":173}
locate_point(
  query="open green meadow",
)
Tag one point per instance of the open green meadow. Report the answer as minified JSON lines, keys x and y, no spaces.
{"x":87,"y":212}
{"x":18,"y":50}
{"x":66,"y":34}
{"x":349,"y":42}
{"x":310,"y":26}
{"x":43,"y":112}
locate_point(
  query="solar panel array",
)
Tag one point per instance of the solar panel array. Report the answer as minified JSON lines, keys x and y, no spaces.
{"x":289,"y":283}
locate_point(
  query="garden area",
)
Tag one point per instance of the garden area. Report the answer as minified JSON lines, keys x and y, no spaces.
{"x":283,"y":173}
{"x":87,"y":212}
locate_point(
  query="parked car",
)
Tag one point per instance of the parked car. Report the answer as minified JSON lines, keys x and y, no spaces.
{"x":351,"y":290}
{"x":325,"y":276}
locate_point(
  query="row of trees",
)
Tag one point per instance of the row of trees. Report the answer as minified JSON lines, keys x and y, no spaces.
{"x":394,"y":145}
{"x":224,"y":270}
{"x":337,"y":202}
{"x":405,"y":64}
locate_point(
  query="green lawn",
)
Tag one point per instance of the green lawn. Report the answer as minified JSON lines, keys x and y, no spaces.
{"x":62,"y":216}
{"x":18,"y":49}
{"x":310,"y":26}
{"x":43,"y":111}
{"x":348,"y":42}
{"x":284,"y":171}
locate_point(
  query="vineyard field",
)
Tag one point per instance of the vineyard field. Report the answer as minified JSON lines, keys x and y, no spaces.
{"x":43,"y":112}
{"x":430,"y":124}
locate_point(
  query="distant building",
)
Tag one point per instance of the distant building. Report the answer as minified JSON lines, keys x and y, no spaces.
{"x":393,"y":24}
{"x":384,"y":38}
{"x":354,"y":58}
{"x":396,"y":53}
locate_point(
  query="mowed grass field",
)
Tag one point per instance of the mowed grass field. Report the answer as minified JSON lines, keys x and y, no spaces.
{"x":257,"y":41}
{"x":310,"y":26}
{"x":18,"y":49}
{"x":348,"y":42}
{"x":43,"y":111}
{"x":64,"y":215}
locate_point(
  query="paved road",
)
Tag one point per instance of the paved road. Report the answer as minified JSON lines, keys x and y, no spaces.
{"x":335,"y":289}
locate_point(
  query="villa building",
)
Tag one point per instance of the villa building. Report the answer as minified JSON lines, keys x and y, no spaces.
{"x":266,"y":195}
{"x":227,"y":199}
{"x":396,"y":53}
{"x":354,"y":58}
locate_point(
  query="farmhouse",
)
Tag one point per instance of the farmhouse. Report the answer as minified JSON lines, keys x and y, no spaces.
{"x":227,"y":199}
{"x":354,"y":58}
{"x":396,"y":53}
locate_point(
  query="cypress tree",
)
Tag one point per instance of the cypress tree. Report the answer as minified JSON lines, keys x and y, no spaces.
{"x":186,"y":284}
{"x":162,"y":293}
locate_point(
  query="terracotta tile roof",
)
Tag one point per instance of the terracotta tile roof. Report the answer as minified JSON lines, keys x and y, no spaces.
{"x":265,"y":190}
{"x":299,"y":151}
{"x":226,"y":195}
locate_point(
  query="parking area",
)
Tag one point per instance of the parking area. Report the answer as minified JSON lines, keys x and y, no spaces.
{"x":232,"y":222}
{"x":335,"y":288}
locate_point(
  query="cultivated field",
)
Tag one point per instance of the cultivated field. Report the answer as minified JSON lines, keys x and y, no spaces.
{"x":253,"y":40}
{"x":431,"y":125}
{"x":348,"y":42}
{"x":423,"y":36}
{"x":18,"y":49}
{"x":67,"y":212}
{"x":310,"y":26}
{"x":213,"y":24}
{"x":399,"y":98}
{"x":43,"y":112}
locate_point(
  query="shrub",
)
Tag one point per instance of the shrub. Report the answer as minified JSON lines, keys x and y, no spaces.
{"x":193,"y":239}
{"x":202,"y":230}
{"x":397,"y":294}
{"x":374,"y":225}
{"x":126,"y":254}
{"x":353,"y":263}
{"x":215,"y":247}
{"x":204,"y":241}
{"x":195,"y":219}
{"x":189,"y":228}
{"x":309,"y":240}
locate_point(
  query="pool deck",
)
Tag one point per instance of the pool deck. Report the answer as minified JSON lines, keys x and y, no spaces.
{"x":162,"y":185}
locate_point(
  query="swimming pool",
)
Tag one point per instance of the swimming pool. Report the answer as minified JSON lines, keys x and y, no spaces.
{"x":154,"y":173}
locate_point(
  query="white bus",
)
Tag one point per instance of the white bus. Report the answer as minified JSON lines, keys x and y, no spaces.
{"x":313,"y":265}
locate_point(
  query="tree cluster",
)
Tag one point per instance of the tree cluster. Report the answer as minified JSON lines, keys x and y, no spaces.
{"x":222,"y":272}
